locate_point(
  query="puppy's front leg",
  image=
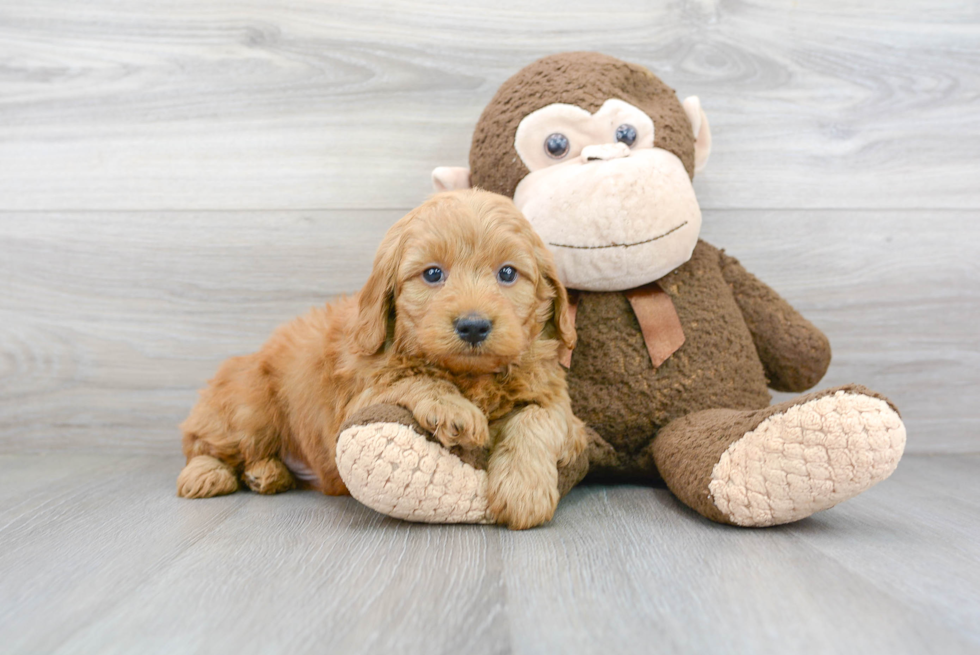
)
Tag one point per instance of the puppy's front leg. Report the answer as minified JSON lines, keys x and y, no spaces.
{"x":441,"y":409}
{"x":523,"y":468}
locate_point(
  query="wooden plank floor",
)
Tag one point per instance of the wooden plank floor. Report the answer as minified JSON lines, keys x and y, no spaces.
{"x":98,"y":555}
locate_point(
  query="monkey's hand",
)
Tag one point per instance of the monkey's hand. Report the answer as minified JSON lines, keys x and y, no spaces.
{"x":794,"y":353}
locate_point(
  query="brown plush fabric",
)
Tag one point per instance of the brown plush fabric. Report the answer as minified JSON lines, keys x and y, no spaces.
{"x":687,"y":450}
{"x":585,"y":79}
{"x":568,"y":476}
{"x":614,"y":387}
{"x":794,"y":353}
{"x":571,"y":475}
{"x":610,"y":466}
{"x":383,"y":414}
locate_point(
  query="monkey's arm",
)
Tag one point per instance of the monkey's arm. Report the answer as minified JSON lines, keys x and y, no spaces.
{"x":438,"y":406}
{"x":793,"y":351}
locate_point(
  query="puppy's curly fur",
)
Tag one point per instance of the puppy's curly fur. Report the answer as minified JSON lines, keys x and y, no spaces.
{"x":274,"y":416}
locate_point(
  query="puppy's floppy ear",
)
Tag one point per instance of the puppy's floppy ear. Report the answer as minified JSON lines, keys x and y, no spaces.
{"x":376,"y":301}
{"x":561,"y":319}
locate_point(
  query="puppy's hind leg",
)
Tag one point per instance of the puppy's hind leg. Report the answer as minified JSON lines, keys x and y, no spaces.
{"x":231,"y":428}
{"x":206,"y":476}
{"x":268,"y":476}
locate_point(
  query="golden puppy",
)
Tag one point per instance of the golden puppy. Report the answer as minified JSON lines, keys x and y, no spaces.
{"x":460,"y":322}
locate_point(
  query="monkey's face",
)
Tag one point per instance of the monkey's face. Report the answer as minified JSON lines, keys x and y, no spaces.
{"x":599,"y":155}
{"x":615,"y":211}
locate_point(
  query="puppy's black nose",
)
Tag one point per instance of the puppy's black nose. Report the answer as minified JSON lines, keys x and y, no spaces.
{"x":472,"y":328}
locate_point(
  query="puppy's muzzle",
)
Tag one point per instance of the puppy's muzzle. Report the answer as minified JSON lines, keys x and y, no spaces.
{"x":473,"y":328}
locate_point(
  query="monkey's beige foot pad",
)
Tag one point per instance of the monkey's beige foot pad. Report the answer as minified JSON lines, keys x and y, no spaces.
{"x":394,"y":470}
{"x":807,"y":459}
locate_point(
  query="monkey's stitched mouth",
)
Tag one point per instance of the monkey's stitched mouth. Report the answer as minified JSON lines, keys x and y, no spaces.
{"x":621,"y":245}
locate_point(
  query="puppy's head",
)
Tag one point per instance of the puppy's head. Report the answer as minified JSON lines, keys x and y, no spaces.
{"x":464,"y":282}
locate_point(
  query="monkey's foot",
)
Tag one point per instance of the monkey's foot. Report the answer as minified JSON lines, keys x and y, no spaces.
{"x":807,"y":458}
{"x":388,"y":465}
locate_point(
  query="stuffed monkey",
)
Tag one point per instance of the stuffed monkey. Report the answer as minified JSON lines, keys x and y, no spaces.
{"x":677,"y":343}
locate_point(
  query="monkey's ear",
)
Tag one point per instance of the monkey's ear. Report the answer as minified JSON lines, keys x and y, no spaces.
{"x":450,"y":178}
{"x":702,"y":132}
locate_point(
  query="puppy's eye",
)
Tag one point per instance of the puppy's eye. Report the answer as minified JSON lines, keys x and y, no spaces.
{"x":433,"y":275}
{"x":626,"y":133}
{"x":507,"y":275}
{"x":556,"y":145}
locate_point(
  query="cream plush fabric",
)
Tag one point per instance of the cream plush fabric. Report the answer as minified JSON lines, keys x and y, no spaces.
{"x":807,"y":459}
{"x":394,"y":470}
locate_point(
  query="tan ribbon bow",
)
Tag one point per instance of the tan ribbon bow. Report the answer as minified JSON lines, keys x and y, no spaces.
{"x":659,"y":323}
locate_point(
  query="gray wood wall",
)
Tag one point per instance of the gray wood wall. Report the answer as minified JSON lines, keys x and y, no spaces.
{"x":178,"y":177}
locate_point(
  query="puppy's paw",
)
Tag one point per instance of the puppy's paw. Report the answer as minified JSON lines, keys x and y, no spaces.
{"x":268,"y":476}
{"x":204,"y":477}
{"x":453,"y":420}
{"x":520,"y":500}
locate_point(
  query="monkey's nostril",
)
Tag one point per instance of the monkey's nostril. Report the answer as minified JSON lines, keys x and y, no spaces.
{"x":473,"y":328}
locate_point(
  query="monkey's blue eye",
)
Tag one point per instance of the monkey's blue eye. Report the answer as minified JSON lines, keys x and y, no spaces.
{"x":626,"y":133}
{"x":556,"y":145}
{"x":507,"y":275}
{"x":433,"y":275}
